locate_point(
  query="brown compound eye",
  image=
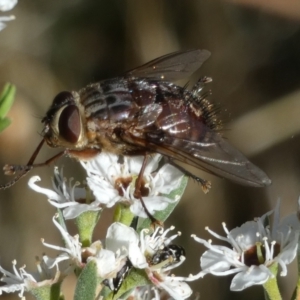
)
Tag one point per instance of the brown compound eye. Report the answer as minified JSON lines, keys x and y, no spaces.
{"x":69,"y":124}
{"x":60,"y":100}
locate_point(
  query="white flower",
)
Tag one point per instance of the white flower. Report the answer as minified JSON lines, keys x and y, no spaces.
{"x":14,"y":282}
{"x":152,"y":253}
{"x":121,"y":242}
{"x":6,"y":5}
{"x":49,"y":270}
{"x":113,"y":182}
{"x":162,"y":257}
{"x":71,"y":253}
{"x":21,"y":281}
{"x":254,"y":248}
{"x":123,"y":238}
{"x":73,"y":256}
{"x":120,"y":239}
{"x":72,"y":199}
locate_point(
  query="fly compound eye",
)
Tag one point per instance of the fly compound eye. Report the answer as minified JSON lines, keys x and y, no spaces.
{"x":62,"y":99}
{"x":69,"y":124}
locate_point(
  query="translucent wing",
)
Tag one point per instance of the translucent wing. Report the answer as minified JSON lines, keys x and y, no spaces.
{"x":148,"y":115}
{"x":213,"y":154}
{"x":173,"y":66}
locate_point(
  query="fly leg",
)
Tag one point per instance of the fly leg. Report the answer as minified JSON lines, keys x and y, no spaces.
{"x":138,"y":192}
{"x":205,"y":184}
{"x":22,"y":170}
{"x":12,"y":169}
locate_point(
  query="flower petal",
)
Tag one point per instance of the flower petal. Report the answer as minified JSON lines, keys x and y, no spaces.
{"x":251,"y":277}
{"x":49,"y":193}
{"x":119,"y":236}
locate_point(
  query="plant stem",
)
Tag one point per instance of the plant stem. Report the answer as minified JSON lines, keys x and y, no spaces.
{"x":271,"y":286}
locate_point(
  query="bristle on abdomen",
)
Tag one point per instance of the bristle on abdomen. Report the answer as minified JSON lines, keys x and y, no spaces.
{"x":199,"y":96}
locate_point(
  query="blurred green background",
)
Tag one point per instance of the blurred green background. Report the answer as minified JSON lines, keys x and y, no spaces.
{"x":255,"y":66}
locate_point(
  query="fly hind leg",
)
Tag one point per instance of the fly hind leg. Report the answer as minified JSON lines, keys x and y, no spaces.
{"x":205,"y":184}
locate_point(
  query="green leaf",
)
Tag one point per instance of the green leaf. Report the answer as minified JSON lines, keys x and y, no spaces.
{"x":87,"y":282}
{"x":164,"y":214}
{"x":135,"y":278}
{"x":123,"y":214}
{"x":6,"y":99}
{"x":47,"y":292}
{"x":86,"y":223}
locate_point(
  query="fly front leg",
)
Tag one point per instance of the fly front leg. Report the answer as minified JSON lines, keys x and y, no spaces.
{"x":22,"y":170}
{"x":13,"y":169}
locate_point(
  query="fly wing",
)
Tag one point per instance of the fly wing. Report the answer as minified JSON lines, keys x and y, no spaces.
{"x":214,"y":155}
{"x":173,"y":66}
{"x":148,"y":115}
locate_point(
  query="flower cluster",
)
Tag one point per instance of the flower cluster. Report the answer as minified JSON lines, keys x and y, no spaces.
{"x":254,"y":248}
{"x":124,"y":251}
{"x":113,"y":182}
{"x":135,"y":260}
{"x":21,"y":281}
{"x":152,"y":253}
{"x":138,"y":258}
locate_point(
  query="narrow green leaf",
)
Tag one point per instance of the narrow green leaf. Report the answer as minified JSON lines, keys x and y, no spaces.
{"x":123,"y":214}
{"x":6,"y":99}
{"x":164,"y":214}
{"x":134,"y":279}
{"x":86,"y":223}
{"x":87,"y":283}
{"x":47,"y":292}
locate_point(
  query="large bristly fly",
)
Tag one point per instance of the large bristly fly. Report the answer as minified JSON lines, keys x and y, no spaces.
{"x":144,"y":112}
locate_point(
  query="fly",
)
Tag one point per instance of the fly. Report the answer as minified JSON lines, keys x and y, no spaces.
{"x":144,"y":112}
